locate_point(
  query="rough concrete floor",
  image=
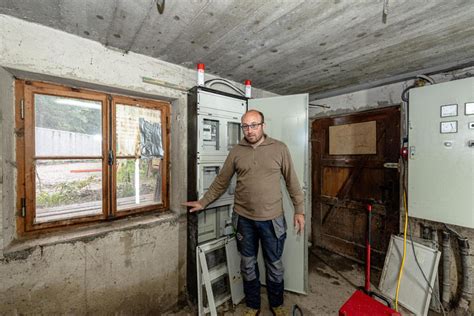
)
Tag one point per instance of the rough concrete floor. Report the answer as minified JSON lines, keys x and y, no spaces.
{"x":332,"y":280}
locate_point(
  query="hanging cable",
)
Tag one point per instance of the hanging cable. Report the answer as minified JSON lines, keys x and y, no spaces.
{"x":407,"y":223}
{"x":400,"y":273}
{"x":160,"y":6}
{"x":423,"y":273}
{"x":209,"y":83}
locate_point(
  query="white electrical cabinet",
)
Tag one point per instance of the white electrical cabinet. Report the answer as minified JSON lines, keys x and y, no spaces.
{"x":441,"y":153}
{"x":213,"y":129}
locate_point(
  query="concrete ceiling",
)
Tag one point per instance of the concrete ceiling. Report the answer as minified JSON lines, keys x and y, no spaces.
{"x":318,"y":47}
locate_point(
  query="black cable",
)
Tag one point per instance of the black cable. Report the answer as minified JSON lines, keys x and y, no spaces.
{"x":405,"y":91}
{"x":296,"y":311}
{"x":422,"y":272}
{"x":413,"y":249}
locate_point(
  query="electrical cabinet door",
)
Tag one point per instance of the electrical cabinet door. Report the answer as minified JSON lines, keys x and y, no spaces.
{"x":441,"y":143}
{"x":286,"y":119}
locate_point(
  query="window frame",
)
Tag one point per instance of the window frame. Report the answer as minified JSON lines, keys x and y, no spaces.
{"x":165,"y":166}
{"x":25,"y":155}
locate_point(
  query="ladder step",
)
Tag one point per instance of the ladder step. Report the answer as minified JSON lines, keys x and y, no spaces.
{"x":217,"y":271}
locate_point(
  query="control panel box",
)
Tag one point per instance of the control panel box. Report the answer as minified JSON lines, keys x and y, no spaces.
{"x":207,"y":172}
{"x":216,"y":136}
{"x":441,"y":153}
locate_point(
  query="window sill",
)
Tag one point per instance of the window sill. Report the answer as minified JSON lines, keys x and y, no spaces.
{"x":22,"y":248}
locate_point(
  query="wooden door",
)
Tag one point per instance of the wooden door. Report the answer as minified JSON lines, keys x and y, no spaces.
{"x":349,"y":169}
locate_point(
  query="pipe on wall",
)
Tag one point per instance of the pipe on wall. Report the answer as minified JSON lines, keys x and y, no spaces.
{"x":462,"y":307}
{"x":446,"y":292}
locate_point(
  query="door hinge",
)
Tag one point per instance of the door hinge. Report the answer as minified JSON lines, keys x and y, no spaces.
{"x":23,"y":207}
{"x":22,"y":109}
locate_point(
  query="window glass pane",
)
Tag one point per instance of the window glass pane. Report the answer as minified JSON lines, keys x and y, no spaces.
{"x":139,"y":182}
{"x":67,"y":189}
{"x":210,"y":134}
{"x":233,"y":134}
{"x":67,"y":126}
{"x":138,"y":132}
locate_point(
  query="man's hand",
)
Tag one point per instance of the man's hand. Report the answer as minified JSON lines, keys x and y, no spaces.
{"x":195,"y":206}
{"x":299,"y":223}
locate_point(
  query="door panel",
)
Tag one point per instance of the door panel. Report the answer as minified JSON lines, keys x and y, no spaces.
{"x":286,"y":119}
{"x":343,"y":184}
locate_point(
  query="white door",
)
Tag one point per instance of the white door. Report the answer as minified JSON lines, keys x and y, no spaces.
{"x":286,"y":119}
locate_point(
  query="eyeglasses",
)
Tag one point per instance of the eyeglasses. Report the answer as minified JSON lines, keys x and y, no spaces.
{"x":252,"y":126}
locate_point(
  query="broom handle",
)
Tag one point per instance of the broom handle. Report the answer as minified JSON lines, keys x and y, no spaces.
{"x":368,"y":241}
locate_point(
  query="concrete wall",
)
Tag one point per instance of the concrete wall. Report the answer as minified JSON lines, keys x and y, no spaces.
{"x":130,"y":266}
{"x":375,"y":97}
{"x":391,"y":95}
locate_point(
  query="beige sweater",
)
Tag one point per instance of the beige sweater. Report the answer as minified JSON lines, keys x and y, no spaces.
{"x":258,"y":195}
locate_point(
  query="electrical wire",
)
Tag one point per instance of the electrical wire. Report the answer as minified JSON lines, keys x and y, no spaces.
{"x":400,"y":273}
{"x":406,"y":100}
{"x":225,"y":82}
{"x":413,"y":246}
{"x":423,"y":273}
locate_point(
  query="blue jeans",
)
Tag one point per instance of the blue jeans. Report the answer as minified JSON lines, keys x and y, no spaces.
{"x":272,"y":235}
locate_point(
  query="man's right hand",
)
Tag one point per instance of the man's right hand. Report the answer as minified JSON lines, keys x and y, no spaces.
{"x":195,"y":206}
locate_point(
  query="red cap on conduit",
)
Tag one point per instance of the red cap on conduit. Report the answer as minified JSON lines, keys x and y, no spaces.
{"x":200,"y":66}
{"x":248,"y":82}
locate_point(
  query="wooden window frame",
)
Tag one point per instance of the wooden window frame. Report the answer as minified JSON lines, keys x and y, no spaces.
{"x":25,"y":155}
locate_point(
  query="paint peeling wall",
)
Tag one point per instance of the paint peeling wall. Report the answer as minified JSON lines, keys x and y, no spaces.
{"x":132,"y":266}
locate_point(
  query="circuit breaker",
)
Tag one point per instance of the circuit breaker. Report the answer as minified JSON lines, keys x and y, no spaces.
{"x":441,"y":153}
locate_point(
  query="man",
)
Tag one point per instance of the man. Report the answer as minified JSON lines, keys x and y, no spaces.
{"x":259,"y":162}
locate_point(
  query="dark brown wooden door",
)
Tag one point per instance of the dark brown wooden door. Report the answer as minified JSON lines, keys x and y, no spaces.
{"x":346,"y":176}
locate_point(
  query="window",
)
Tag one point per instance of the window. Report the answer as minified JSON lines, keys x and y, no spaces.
{"x":88,"y":156}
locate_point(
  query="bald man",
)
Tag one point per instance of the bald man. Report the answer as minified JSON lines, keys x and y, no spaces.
{"x":259,"y":162}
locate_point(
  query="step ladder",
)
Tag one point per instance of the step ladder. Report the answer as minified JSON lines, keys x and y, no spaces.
{"x":226,"y":270}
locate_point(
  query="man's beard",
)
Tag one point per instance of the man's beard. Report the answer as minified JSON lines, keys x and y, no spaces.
{"x":256,"y":141}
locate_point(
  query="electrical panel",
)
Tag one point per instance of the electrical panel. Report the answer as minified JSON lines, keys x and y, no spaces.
{"x":441,"y":153}
{"x":218,"y":130}
{"x":218,"y":118}
{"x":213,"y":130}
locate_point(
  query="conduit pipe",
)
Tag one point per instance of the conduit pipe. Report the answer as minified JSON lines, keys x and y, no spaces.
{"x":446,"y":292}
{"x":466,"y":294}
